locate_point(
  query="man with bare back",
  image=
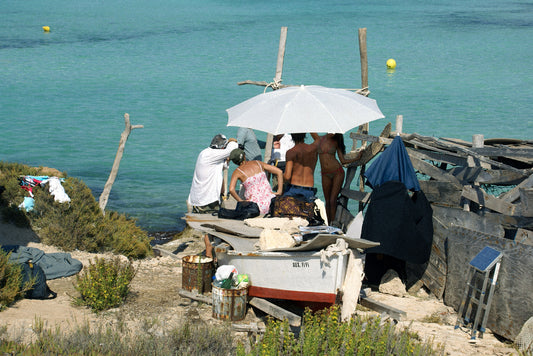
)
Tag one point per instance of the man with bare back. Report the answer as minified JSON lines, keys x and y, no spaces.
{"x":300,"y":168}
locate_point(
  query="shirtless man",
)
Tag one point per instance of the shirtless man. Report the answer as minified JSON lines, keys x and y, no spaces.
{"x":300,"y":168}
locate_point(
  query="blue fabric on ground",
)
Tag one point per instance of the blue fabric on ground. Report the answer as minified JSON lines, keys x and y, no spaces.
{"x":55,"y":265}
{"x":393,"y":164}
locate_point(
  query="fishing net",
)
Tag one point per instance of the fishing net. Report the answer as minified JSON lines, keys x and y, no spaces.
{"x":524,"y":340}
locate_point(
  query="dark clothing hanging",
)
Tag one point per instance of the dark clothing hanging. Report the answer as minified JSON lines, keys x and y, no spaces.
{"x":401,"y":224}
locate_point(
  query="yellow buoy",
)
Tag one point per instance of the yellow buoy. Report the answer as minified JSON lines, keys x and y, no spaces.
{"x":391,"y":63}
{"x":46,"y":28}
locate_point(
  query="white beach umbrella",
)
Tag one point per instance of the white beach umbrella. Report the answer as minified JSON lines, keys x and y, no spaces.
{"x":309,"y":108}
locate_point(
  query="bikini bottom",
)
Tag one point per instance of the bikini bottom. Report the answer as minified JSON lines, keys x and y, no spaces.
{"x":333,"y":173}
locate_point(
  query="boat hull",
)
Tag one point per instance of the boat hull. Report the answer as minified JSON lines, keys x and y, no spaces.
{"x":302,"y":276}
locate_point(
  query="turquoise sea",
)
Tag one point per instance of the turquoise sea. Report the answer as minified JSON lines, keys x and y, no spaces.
{"x":463,"y":68}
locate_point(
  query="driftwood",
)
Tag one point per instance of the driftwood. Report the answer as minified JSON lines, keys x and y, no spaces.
{"x":113,"y":175}
{"x":456,"y":176}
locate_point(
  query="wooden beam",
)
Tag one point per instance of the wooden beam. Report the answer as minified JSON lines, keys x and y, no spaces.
{"x":373,"y":304}
{"x":503,"y":152}
{"x":195,"y":296}
{"x":479,"y":196}
{"x":432,"y":171}
{"x":514,"y":193}
{"x":356,"y":195}
{"x":275,"y":311}
{"x":254,"y":328}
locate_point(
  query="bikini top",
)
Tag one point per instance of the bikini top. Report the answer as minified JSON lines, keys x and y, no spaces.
{"x":331,"y":152}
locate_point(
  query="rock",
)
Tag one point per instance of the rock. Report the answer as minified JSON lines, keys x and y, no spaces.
{"x":392,"y":284}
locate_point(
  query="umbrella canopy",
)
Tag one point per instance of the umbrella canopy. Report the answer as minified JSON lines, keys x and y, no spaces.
{"x":309,"y":108}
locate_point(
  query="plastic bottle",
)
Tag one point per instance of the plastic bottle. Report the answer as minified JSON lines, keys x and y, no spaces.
{"x":228,"y":282}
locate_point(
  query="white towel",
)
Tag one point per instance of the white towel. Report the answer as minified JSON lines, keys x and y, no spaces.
{"x":56,"y":189}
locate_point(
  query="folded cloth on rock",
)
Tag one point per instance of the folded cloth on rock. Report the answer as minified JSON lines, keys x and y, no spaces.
{"x":54,"y":265}
{"x":270,"y":239}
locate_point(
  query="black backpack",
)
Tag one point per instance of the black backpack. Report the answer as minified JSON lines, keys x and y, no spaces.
{"x":244,"y":210}
{"x":40,"y":289}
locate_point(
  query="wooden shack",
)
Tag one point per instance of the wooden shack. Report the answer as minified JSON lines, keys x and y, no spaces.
{"x":481,"y":195}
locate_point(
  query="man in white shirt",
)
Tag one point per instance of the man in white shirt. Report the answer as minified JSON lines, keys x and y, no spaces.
{"x":206,"y":187}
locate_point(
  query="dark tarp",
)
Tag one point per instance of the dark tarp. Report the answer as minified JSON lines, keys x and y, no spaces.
{"x":400,"y":223}
{"x":54,"y":265}
{"x":393,"y":164}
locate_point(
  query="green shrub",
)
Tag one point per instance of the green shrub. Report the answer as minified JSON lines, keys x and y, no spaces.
{"x":104,"y":284}
{"x":323,"y":333}
{"x":76,"y":225}
{"x":117,"y":339}
{"x":10,"y":281}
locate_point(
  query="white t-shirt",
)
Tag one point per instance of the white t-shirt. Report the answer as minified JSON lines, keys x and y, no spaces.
{"x":207,"y":180}
{"x":285,"y":144}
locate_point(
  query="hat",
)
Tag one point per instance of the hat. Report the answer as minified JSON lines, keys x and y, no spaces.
{"x":237,"y":156}
{"x":219,"y":141}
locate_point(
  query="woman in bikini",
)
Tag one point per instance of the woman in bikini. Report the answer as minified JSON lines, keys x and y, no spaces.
{"x":255,"y":182}
{"x":331,"y":169}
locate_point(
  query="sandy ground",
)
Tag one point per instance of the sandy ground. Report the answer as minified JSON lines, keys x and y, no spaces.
{"x":154,"y":294}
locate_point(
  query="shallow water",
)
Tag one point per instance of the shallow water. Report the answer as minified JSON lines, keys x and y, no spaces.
{"x":462,"y":69}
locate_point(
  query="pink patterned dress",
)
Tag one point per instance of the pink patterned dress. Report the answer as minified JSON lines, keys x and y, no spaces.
{"x":257,"y":189}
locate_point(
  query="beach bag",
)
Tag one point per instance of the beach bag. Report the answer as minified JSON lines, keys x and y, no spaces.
{"x":244,"y":210}
{"x":40,"y":289}
{"x":289,"y":206}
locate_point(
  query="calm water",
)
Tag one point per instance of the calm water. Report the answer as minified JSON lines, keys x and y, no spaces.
{"x":463,"y":68}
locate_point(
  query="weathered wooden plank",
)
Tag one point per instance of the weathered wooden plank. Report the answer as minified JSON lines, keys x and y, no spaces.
{"x":375,"y":147}
{"x":447,"y":217}
{"x":430,"y":142}
{"x":524,"y":236}
{"x":479,"y":196}
{"x":444,"y":157}
{"x":471,"y":175}
{"x":434,"y":276}
{"x":441,"y":192}
{"x":356,"y":195}
{"x":526,"y":201}
{"x":253,"y":328}
{"x":512,"y":304}
{"x":195,"y":296}
{"x":509,"y":222}
{"x":276,"y":311}
{"x":514,"y":193}
{"x":382,"y":307}
{"x":503,"y":152}
{"x":432,"y":171}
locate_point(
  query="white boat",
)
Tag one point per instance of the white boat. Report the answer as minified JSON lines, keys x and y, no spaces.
{"x":314,"y":272}
{"x":303,"y":276}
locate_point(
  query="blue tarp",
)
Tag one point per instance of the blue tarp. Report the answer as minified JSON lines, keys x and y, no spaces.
{"x":393,"y":165}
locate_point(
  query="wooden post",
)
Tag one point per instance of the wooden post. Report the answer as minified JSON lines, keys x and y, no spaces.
{"x":364,"y":85}
{"x":478,"y":141}
{"x":364,"y":58}
{"x":123,"y":138}
{"x":399,"y":124}
{"x":277,"y":80}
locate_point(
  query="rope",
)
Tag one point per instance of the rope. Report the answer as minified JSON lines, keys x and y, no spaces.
{"x":275,"y":85}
